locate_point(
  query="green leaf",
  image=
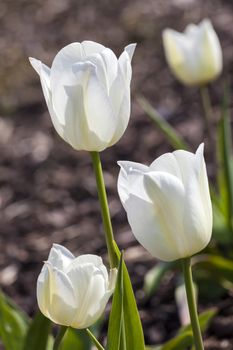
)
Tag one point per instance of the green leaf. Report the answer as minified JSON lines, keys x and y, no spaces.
{"x":184,"y":338}
{"x":217,"y":266}
{"x":13,"y":324}
{"x":155,"y":275}
{"x":225,"y":162}
{"x":76,"y":339}
{"x":204,"y":320}
{"x":38,"y":335}
{"x":115,"y":326}
{"x":171,"y":134}
{"x":131,"y":322}
{"x":180,"y":342}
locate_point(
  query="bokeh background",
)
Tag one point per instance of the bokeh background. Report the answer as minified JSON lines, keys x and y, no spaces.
{"x":47,"y":190}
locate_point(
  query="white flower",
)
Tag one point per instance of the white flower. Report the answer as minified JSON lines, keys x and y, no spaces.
{"x":87,"y":91}
{"x":74,"y":291}
{"x":168,"y":203}
{"x":195,"y":56}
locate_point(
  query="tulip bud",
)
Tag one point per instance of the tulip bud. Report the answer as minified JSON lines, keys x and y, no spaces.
{"x":87,"y":91}
{"x":168,"y":203}
{"x":195,"y":56}
{"x":74,"y":291}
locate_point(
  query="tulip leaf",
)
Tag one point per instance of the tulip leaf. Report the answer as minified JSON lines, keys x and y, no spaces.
{"x":115,"y":326}
{"x":76,"y":339}
{"x":155,"y":275}
{"x":127,"y":317}
{"x":180,"y":342}
{"x":38,"y":335}
{"x":204,"y":321}
{"x":13,"y":324}
{"x":218,"y":267}
{"x":184,"y":338}
{"x":225,"y":161}
{"x":171,"y":134}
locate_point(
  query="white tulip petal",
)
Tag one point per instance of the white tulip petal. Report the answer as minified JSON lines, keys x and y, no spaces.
{"x":60,"y":257}
{"x":146,"y":229}
{"x":130,"y":50}
{"x":186,"y":163}
{"x":90,"y":285}
{"x":111,"y":65}
{"x":120,"y":99}
{"x":125,"y":68}
{"x":173,"y":45}
{"x":44,"y":73}
{"x":43,"y":292}
{"x":129,"y":174}
{"x":87,"y":259}
{"x":62,"y":303}
{"x":63,"y":79}
{"x":167,"y":194}
{"x":198,"y":221}
{"x":91,"y":47}
{"x":167,"y":163}
{"x":101,"y":120}
{"x":210,"y":52}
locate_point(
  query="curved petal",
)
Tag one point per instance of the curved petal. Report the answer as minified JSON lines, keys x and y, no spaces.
{"x":62,"y":77}
{"x":124,"y":63}
{"x":60,"y":257}
{"x":198,"y":219}
{"x":100,"y":117}
{"x":167,"y":194}
{"x":55,"y":295}
{"x":90,"y":47}
{"x":146,"y":229}
{"x":87,"y":259}
{"x":128,"y":175}
{"x":111,"y":65}
{"x":93,"y":300}
{"x":120,"y":100}
{"x":185,"y":161}
{"x":44,"y":73}
{"x":130,"y":50}
{"x":210,"y":52}
{"x":167,"y":163}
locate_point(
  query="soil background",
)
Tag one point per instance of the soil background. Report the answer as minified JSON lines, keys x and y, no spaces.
{"x":47,"y":190}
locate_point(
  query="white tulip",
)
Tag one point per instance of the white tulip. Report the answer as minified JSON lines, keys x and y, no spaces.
{"x":168,"y":203}
{"x":74,"y":291}
{"x":195,"y":56}
{"x":87,"y":91}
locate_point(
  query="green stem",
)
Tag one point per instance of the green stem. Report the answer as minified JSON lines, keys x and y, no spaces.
{"x":206,"y":102}
{"x":104,"y":208}
{"x":197,"y":337}
{"x":59,"y":337}
{"x":94,"y":340}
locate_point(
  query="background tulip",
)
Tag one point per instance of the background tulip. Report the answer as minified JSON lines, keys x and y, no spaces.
{"x":168,"y":203}
{"x":195,"y":56}
{"x":87,"y":91}
{"x":74,"y":291}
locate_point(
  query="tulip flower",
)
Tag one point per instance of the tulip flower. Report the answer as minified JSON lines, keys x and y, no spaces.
{"x":168,"y":203}
{"x":74,"y":291}
{"x":87,"y":91}
{"x":195,"y":56}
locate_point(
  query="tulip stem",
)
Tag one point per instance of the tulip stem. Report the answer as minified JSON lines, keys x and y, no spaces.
{"x":59,"y":337}
{"x":94,"y":340}
{"x":187,"y":271}
{"x":206,"y":102}
{"x":104,"y":209}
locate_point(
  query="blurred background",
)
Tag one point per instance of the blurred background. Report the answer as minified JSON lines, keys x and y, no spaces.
{"x":47,"y":190}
